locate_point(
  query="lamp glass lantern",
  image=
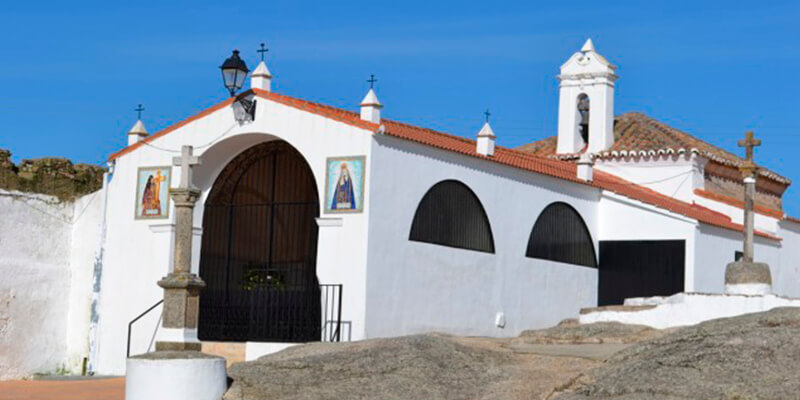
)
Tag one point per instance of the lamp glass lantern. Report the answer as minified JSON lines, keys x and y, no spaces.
{"x":234,"y":72}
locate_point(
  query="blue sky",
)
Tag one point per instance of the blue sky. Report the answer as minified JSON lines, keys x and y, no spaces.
{"x":72,"y":72}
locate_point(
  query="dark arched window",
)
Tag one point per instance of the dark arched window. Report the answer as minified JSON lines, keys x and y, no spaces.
{"x":584,"y":108}
{"x":451,"y":215}
{"x":561,"y":235}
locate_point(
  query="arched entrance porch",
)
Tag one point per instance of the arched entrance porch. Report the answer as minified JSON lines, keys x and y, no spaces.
{"x":259,"y":246}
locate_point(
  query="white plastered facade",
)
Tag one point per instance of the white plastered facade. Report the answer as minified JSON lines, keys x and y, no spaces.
{"x":394,"y":286}
{"x":138,"y":252}
{"x":391,"y":286}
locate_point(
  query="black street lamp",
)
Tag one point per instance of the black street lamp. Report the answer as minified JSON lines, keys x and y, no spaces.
{"x":234,"y":72}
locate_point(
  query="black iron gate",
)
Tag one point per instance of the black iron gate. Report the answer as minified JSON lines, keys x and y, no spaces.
{"x":640,"y":268}
{"x":258,"y":257}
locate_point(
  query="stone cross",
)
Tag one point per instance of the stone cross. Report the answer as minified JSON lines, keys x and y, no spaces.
{"x":186,"y":161}
{"x":747,"y":277}
{"x":181,"y":286}
{"x":748,"y":171}
{"x":749,"y":143}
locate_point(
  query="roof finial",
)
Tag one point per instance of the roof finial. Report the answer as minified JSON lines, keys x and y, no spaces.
{"x":261,"y":78}
{"x":139,"y":110}
{"x":487,"y":114}
{"x":588,"y":46}
{"x":372,"y":81}
{"x":263,"y":50}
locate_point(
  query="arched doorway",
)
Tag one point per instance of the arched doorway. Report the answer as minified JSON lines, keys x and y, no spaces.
{"x":258,"y":256}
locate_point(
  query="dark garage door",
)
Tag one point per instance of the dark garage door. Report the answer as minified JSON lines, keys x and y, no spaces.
{"x":640,"y":268}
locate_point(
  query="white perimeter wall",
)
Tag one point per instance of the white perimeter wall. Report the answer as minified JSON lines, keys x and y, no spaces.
{"x":44,"y":289}
{"x":786,"y":280}
{"x":417,"y":287}
{"x":138,"y":252}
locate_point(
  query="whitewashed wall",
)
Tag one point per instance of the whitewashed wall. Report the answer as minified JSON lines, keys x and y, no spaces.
{"x":761,"y":222}
{"x":85,"y":241}
{"x":672,"y":175}
{"x":417,"y":287}
{"x":138,"y":252}
{"x":718,"y":248}
{"x":786,"y":280}
{"x":44,"y":285}
{"x":622,"y":218}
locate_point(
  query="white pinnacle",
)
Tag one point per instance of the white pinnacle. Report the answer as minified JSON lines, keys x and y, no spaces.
{"x":138,"y":129}
{"x":371,"y":99}
{"x":262,"y":70}
{"x":486,"y":131}
{"x":588,"y":46}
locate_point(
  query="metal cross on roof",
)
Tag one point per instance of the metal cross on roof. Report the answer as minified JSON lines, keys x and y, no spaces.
{"x":749,"y":143}
{"x":186,"y":161}
{"x":371,"y":81}
{"x":139,"y":110}
{"x":263,"y":50}
{"x":487,"y":114}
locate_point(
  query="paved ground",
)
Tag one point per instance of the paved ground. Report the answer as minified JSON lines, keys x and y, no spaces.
{"x":79,"y":389}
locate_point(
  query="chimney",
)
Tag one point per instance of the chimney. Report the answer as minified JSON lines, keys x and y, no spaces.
{"x":585,"y":167}
{"x":485,"y":146}
{"x":137,"y":133}
{"x":371,"y":107}
{"x":261,"y":78}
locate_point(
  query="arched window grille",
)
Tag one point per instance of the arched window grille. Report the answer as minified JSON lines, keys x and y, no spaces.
{"x":560,"y":234}
{"x":450,"y":214}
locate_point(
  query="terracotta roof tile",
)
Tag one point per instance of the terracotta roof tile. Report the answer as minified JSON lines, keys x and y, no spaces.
{"x":792,"y":219}
{"x":636,"y":132}
{"x":521,"y":159}
{"x":738,"y":203}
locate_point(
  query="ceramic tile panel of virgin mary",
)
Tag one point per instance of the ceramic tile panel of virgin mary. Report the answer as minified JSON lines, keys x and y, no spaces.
{"x":344,"y":184}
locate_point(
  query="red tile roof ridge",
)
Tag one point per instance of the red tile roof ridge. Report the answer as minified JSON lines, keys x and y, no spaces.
{"x":170,"y":128}
{"x":427,"y":130}
{"x":792,"y":219}
{"x":652,"y":137}
{"x":734,"y":202}
{"x":646,"y":195}
{"x":511,"y":157}
{"x":346,"y":116}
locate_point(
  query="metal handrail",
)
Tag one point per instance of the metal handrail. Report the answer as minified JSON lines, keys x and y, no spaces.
{"x":130,"y":324}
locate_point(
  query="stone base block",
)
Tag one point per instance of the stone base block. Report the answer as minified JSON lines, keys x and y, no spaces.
{"x":752,"y":289}
{"x":175,"y":375}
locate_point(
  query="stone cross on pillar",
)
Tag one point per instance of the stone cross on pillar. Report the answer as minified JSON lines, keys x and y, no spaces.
{"x":181,"y":286}
{"x":748,"y":172}
{"x":746,"y":276}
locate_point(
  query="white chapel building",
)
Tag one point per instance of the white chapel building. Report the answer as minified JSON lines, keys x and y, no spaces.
{"x":301,"y":233}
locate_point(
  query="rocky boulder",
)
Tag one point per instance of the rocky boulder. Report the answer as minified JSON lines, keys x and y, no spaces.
{"x":53,"y":176}
{"x":755,"y":356}
{"x":411,"y":367}
{"x":571,"y":332}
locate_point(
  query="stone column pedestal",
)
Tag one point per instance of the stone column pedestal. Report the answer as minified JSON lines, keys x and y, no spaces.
{"x":181,"y":286}
{"x":746,"y":277}
{"x":181,"y":308}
